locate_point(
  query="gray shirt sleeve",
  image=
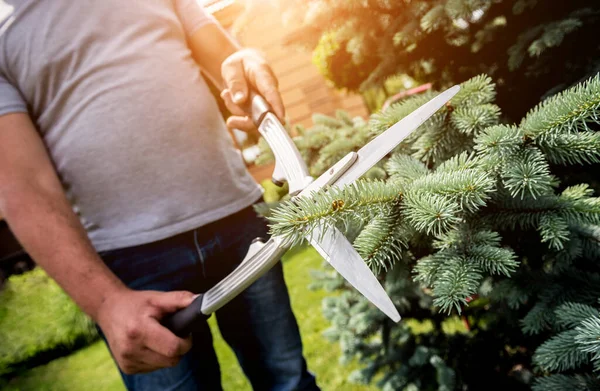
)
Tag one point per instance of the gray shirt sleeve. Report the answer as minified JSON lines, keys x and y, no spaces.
{"x":11,"y":100}
{"x":192,"y":15}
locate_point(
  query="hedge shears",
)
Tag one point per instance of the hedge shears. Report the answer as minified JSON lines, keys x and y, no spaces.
{"x":327,"y":240}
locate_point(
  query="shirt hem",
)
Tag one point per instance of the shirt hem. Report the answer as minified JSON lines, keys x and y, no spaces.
{"x":179,"y":227}
{"x":16,"y":108}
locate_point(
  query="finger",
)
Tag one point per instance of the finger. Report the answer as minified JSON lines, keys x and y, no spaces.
{"x":242,"y":123}
{"x":131,"y":368}
{"x":167,"y":302}
{"x":160,"y":340}
{"x":234,"y":77}
{"x":152,"y":360}
{"x":133,"y":364}
{"x":267,"y":85}
{"x":232,"y":107}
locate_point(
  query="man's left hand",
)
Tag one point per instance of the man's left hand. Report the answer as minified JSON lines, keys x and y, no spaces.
{"x":243,"y":70}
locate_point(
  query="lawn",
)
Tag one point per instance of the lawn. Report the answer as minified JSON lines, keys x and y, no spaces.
{"x":92,"y":369}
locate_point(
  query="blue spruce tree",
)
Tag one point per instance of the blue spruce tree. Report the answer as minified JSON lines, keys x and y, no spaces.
{"x":467,"y":217}
{"x":483,"y":225}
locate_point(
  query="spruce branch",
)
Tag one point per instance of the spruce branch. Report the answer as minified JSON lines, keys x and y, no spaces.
{"x":450,"y":129}
{"x":511,"y":213}
{"x":473,"y":119}
{"x":469,"y":188}
{"x":327,"y":121}
{"x":380,"y":243}
{"x":559,"y":382}
{"x":560,"y":353}
{"x":571,"y":285}
{"x":578,"y":207}
{"x":404,"y":168}
{"x":518,"y":51}
{"x":445,"y":376}
{"x":327,"y":279}
{"x":553,"y":35}
{"x":461,"y":9}
{"x":554,"y":231}
{"x":560,"y":261}
{"x":538,"y":319}
{"x":499,"y":142}
{"x":527,"y":174}
{"x":361,"y":200}
{"x":493,"y":260}
{"x":380,"y":122}
{"x":575,"y":205}
{"x":455,"y":282}
{"x":569,"y":315}
{"x":331,"y":153}
{"x":521,"y":6}
{"x":512,"y":291}
{"x":437,"y":141}
{"x":464,"y":254}
{"x":571,"y":148}
{"x":430,"y":213}
{"x":345,"y":118}
{"x":433,"y":19}
{"x":266,"y":155}
{"x":567,"y":112}
{"x":488,"y":33}
{"x":588,"y":337}
{"x":589,"y":236}
{"x":478,"y":90}
{"x":460,"y":162}
{"x":426,"y":269}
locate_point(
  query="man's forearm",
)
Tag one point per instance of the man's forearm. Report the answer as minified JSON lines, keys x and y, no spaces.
{"x":44,"y":223}
{"x":210,"y":46}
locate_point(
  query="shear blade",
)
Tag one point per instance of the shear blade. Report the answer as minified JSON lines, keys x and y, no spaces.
{"x":338,"y":251}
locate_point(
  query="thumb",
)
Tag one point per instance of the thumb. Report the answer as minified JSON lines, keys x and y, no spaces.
{"x":235,"y":80}
{"x":167,"y":302}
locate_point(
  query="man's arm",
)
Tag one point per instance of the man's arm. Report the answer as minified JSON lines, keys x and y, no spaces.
{"x":34,"y":205}
{"x":234,"y":70}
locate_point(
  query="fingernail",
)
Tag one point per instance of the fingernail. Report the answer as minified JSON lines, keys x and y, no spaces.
{"x":238,"y":97}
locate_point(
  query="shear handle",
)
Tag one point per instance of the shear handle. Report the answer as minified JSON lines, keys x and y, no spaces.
{"x":257,"y":107}
{"x":184,"y":321}
{"x":261,"y":257}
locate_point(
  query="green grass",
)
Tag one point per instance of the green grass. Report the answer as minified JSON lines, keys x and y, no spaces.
{"x":28,"y":334}
{"x":92,"y":368}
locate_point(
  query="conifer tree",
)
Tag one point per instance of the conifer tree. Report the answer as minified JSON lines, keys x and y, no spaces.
{"x":486,"y":217}
{"x":546,"y":45}
{"x":469,"y":218}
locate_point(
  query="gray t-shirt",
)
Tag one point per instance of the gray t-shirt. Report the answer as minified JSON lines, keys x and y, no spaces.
{"x":131,"y":126}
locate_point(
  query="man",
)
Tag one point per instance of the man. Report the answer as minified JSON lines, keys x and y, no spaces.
{"x":111,"y":144}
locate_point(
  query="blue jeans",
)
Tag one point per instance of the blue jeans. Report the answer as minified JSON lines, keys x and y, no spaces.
{"x":258,"y":325}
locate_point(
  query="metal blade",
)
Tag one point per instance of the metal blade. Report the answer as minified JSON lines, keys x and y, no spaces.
{"x":332,"y":245}
{"x":383,"y":144}
{"x":338,"y":251}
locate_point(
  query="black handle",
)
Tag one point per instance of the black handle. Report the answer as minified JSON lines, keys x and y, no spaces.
{"x":183,"y":322}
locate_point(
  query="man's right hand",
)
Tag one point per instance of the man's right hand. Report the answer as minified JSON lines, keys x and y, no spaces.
{"x":130,"y":320}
